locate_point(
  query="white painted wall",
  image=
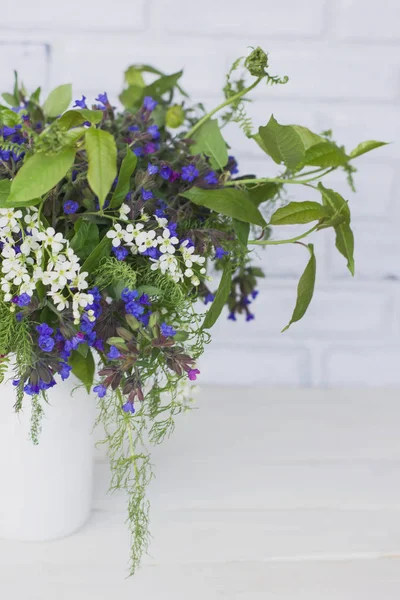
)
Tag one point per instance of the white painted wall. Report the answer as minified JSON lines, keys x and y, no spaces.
{"x":343,"y":59}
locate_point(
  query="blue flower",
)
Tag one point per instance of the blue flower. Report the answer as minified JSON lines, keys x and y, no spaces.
{"x":249,"y":316}
{"x":189,"y":173}
{"x":120,"y":252}
{"x":152,"y":169}
{"x":99,"y":345}
{"x":165,"y":172}
{"x":172,"y":229}
{"x":65,"y":371}
{"x":254,"y":294}
{"x":43,"y":385}
{"x":70,"y":207}
{"x":152,"y":252}
{"x":151,"y":147}
{"x":153,"y":131}
{"x":138,"y":151}
{"x":209,"y":297}
{"x":220,"y":252}
{"x":15,"y":382}
{"x":128,"y":295}
{"x":232,"y":165}
{"x":31,"y":390}
{"x":134,"y":128}
{"x":133,"y":308}
{"x":46,"y":343}
{"x":145,"y":300}
{"x":19,"y":316}
{"x":211,"y":178}
{"x":232,"y":316}
{"x":102,"y":98}
{"x":44,"y":329}
{"x":128,"y":407}
{"x":23,"y":300}
{"x":80,"y":103}
{"x":167,"y":330}
{"x":113,"y":353}
{"x":100,"y":390}
{"x":146,"y":194}
{"x":144,"y":319}
{"x":149,"y":103}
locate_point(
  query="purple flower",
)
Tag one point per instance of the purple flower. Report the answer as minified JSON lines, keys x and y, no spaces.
{"x":46,"y":343}
{"x":19,"y":316}
{"x":5,"y":155}
{"x":144,"y":319}
{"x":102,"y":98}
{"x":65,"y":371}
{"x":151,"y":147}
{"x":138,"y":151}
{"x":80,"y":103}
{"x":23,"y":300}
{"x":232,"y":316}
{"x":44,"y":329}
{"x":149,"y":103}
{"x":165,"y":172}
{"x":153,"y":131}
{"x":152,"y":169}
{"x":254,"y":294}
{"x":15,"y":382}
{"x":134,"y":308}
{"x":43,"y":385}
{"x":167,"y":330}
{"x":120,"y":252}
{"x":172,"y":229}
{"x":211,"y":178}
{"x":249,"y":316}
{"x":145,"y":300}
{"x":147,"y":194}
{"x":100,"y":390}
{"x":192,"y":374}
{"x":31,"y":390}
{"x":189,"y":173}
{"x":113,"y":353}
{"x":128,"y":295}
{"x":128,"y":407}
{"x":209,"y":297}
{"x":99,"y":345}
{"x":220,"y":253}
{"x":134,"y":128}
{"x":152,"y":252}
{"x":232,"y":165}
{"x":70,"y":207}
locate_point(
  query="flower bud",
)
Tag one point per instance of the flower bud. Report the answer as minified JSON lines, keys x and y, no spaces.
{"x":175,"y":116}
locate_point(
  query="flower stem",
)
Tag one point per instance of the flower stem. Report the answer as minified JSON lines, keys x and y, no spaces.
{"x":276,"y":242}
{"x":226,"y":102}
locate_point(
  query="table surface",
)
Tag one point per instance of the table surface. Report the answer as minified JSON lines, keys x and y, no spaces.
{"x":260,"y":494}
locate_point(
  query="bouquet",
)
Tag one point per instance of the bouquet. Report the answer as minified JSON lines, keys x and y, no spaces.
{"x":111,"y":224}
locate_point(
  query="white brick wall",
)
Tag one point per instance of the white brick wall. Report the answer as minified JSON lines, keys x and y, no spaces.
{"x":343,"y":60}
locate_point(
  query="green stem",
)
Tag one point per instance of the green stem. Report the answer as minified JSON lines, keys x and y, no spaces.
{"x":276,"y":242}
{"x":228,"y":101}
{"x":273,"y":180}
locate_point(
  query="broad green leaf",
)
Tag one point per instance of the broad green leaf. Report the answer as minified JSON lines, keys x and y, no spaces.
{"x":305,"y":289}
{"x":132,"y":97}
{"x":259,"y":193}
{"x":10,"y":99}
{"x":149,"y":69}
{"x":35,"y":97}
{"x":220,"y":299}
{"x":344,"y":236}
{"x":227,"y":201}
{"x":162,"y":85}
{"x":9,"y":118}
{"x":297,"y":213}
{"x":5,"y":186}
{"x":85,"y":239}
{"x":75,"y":117}
{"x":242,"y":231}
{"x":308,"y":137}
{"x":72,"y":136}
{"x":58,"y":100}
{"x":150,"y":290}
{"x":101,"y":251}
{"x":39,"y":174}
{"x":83,"y":368}
{"x":366,"y":147}
{"x":128,"y":166}
{"x":209,"y":141}
{"x":134,"y":77}
{"x":325,"y":154}
{"x":283,"y":143}
{"x":102,"y":154}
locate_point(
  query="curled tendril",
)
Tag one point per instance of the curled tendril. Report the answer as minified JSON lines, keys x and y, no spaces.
{"x":257,"y":62}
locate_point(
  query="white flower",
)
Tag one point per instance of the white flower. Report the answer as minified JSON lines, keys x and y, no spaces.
{"x":167,"y":242}
{"x":124,"y":211}
{"x":60,"y":302}
{"x":162,"y":222}
{"x":79,"y":281}
{"x":116,"y":235}
{"x":52,"y":239}
{"x":145,"y":240}
{"x":8,"y":217}
{"x":144,"y":216}
{"x":195,"y":280}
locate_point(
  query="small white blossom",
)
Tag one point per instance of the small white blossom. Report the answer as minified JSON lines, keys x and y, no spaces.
{"x":167,"y":243}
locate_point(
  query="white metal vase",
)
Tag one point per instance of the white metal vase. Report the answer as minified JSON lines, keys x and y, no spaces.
{"x":46,"y":489}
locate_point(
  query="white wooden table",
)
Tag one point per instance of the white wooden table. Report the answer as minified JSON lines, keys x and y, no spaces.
{"x":261,"y":494}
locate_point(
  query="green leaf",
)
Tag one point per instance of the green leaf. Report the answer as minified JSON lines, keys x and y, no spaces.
{"x":259,"y":193}
{"x":72,"y":118}
{"x":102,"y":154}
{"x":283,"y":143}
{"x":297,"y":213}
{"x":39,"y":174}
{"x":72,"y":136}
{"x":209,"y":141}
{"x":242,"y":231}
{"x":83,"y":368}
{"x":325,"y":154}
{"x":132,"y":97}
{"x":101,"y":251}
{"x":305,"y":289}
{"x":338,"y":207}
{"x":10,"y":99}
{"x":9,"y":118}
{"x":134,"y":77}
{"x":35,"y":96}
{"x":181,"y":336}
{"x":5,"y":185}
{"x":150,"y":290}
{"x":150,"y":69}
{"x":366,"y":147}
{"x":162,"y":85}
{"x":58,"y":100}
{"x":86,"y":238}
{"x":220,"y":299}
{"x":227,"y":201}
{"x":128,"y":166}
